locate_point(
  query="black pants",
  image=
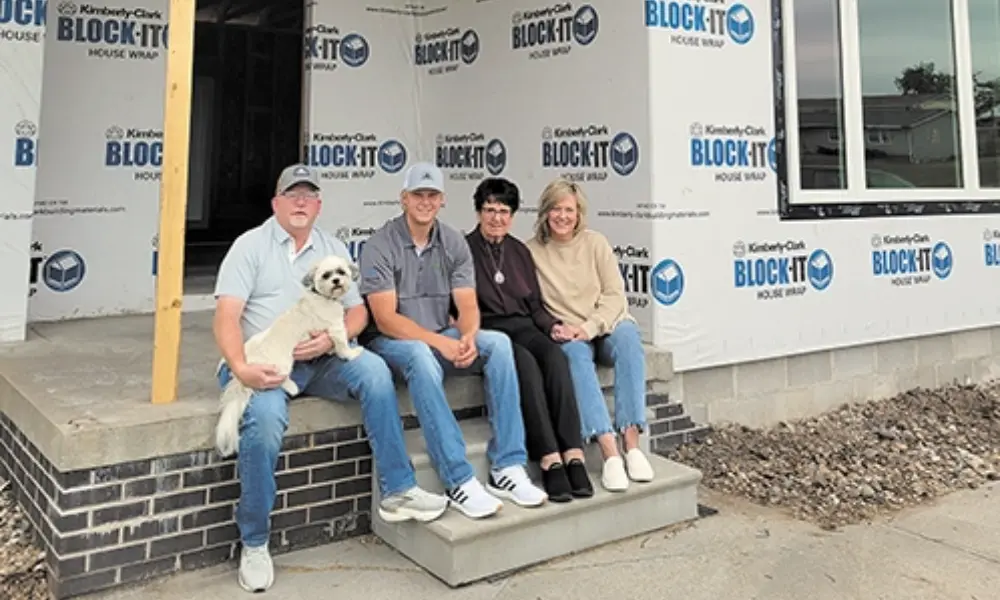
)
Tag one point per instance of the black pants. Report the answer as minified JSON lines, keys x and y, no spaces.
{"x":548,"y":404}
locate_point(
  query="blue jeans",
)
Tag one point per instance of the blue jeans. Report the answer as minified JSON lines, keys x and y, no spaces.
{"x":621,"y":350}
{"x":366,"y":378}
{"x":424,"y":369}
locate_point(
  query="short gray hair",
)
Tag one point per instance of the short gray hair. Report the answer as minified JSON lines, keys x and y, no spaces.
{"x":551,"y":195}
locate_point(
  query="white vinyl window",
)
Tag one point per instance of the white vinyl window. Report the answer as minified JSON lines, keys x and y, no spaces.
{"x":892,"y":100}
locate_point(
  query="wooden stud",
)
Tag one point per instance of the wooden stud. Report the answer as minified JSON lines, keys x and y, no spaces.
{"x":173,"y":201}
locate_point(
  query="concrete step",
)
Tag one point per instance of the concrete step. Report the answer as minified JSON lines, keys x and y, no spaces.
{"x":459,"y":550}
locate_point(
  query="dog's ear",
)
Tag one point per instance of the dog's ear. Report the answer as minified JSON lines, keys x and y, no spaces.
{"x":309,"y":281}
{"x":355,"y":272}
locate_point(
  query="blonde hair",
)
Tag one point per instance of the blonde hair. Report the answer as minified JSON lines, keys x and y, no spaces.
{"x":551,"y":195}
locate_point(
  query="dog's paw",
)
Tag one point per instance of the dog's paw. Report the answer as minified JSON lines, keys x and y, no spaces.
{"x":291,"y":387}
{"x":351,"y":353}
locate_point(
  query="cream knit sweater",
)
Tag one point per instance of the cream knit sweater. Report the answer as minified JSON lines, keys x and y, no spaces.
{"x":581,"y":283}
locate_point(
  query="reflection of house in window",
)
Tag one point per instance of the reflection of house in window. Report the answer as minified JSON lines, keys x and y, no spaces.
{"x":877,"y":137}
{"x":913,"y":127}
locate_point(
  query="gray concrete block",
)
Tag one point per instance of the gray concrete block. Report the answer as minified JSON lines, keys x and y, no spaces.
{"x":709,"y":385}
{"x":853,"y":362}
{"x":895,"y":355}
{"x":960,"y":371}
{"x":934,"y":350}
{"x":459,"y":550}
{"x":974,"y":343}
{"x":760,"y":377}
{"x":809,"y":369}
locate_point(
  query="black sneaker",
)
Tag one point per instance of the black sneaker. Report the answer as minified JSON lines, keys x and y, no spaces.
{"x":579,"y":481}
{"x":556,"y":483}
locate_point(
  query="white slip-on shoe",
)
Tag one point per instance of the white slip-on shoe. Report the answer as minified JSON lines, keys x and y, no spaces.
{"x":613,"y":476}
{"x":638,"y":466}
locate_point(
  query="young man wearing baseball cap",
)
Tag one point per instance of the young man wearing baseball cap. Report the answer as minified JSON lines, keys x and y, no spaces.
{"x":413,"y":271}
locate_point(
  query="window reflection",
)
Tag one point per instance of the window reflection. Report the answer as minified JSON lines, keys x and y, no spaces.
{"x":984,"y":30}
{"x":907,"y":57}
{"x":820,"y":94}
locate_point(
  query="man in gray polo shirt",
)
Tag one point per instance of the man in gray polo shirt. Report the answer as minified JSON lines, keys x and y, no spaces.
{"x":412,"y":270}
{"x":260,"y":278}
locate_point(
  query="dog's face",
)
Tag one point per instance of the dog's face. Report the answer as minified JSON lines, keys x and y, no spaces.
{"x":330,"y":277}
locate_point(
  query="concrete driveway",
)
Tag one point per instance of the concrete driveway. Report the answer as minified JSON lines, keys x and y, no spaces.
{"x":947,"y":550}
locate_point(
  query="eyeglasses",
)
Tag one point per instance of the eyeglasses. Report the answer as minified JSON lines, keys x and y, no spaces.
{"x":302,"y":195}
{"x":503,"y":213}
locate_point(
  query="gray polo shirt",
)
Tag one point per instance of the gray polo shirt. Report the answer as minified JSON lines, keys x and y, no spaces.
{"x":423,"y":279}
{"x":262,"y":269}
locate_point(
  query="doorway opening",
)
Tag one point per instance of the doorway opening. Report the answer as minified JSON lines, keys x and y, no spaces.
{"x":246,"y":123}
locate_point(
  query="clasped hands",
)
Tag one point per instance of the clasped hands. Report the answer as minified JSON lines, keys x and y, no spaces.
{"x":461,"y":352}
{"x":567,"y":333}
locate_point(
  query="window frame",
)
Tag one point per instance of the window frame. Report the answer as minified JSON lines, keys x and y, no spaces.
{"x":855,"y":201}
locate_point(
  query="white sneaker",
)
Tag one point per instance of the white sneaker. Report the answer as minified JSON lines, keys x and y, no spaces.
{"x":638,"y":466}
{"x":613,"y":476}
{"x":256,"y":569}
{"x":473,"y":501}
{"x":413,"y":504}
{"x":514,"y":484}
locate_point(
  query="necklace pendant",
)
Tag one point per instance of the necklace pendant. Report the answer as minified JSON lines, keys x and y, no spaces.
{"x":499,"y":278}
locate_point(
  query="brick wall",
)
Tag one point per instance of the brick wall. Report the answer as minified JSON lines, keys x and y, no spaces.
{"x":127,"y":523}
{"x":669,"y":426}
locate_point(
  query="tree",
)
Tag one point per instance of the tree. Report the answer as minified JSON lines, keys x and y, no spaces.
{"x":924,"y":78}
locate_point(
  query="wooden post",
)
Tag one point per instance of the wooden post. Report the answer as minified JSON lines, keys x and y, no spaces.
{"x":173,"y":201}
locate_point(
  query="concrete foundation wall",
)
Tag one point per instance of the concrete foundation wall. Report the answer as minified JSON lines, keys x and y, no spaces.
{"x":763,"y":393}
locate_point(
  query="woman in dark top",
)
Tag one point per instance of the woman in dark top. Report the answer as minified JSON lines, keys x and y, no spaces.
{"x":510,"y":301}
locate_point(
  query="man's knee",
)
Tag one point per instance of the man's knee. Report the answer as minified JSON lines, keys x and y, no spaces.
{"x":420,"y":363}
{"x":266,"y":418}
{"x":494,"y":344}
{"x":375,"y":375}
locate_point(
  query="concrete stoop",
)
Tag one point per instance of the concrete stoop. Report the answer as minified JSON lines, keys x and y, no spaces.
{"x":459,"y":550}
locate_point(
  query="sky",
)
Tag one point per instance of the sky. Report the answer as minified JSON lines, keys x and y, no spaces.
{"x":894,"y":34}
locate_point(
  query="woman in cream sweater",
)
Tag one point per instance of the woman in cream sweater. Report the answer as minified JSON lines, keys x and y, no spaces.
{"x":582,"y":287}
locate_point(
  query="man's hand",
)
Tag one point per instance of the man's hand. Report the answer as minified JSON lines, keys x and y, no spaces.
{"x":259,"y":377}
{"x":468,"y":352}
{"x":318,"y":344}
{"x":450,"y":349}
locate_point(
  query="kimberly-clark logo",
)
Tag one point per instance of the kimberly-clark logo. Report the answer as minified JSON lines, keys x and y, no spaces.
{"x":111,"y":32}
{"x":702,"y":25}
{"x":733,"y":153}
{"x":469,"y":156}
{"x":22,"y":21}
{"x":590,"y":152}
{"x":910,"y":259}
{"x":446,"y":50}
{"x":780,"y":269}
{"x":135,"y":149}
{"x":553,"y":30}
{"x":326,"y":49}
{"x":355,"y":155}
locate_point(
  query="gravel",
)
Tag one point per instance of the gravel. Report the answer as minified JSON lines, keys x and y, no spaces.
{"x":22,"y":563}
{"x":861,"y":460}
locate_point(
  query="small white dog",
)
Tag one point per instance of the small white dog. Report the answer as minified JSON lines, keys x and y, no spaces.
{"x":319,"y":309}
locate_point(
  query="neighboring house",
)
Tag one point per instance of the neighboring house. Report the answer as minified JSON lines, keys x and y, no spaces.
{"x":916,"y":128}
